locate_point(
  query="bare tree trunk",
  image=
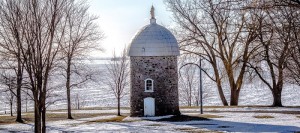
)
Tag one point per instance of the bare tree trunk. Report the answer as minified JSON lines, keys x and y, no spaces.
{"x":11,"y":108}
{"x":197,"y":100}
{"x":37,"y":117}
{"x":44,"y":119}
{"x":234,"y":92}
{"x":277,"y":97}
{"x":68,"y":88}
{"x":277,"y":100}
{"x":11,"y":98}
{"x":218,"y":79}
{"x":78,"y":104}
{"x":119,"y":112}
{"x":276,"y":92}
{"x":26,"y":105}
{"x":234,"y":97}
{"x":278,"y":87}
{"x":221,"y":94}
{"x":19,"y":106}
{"x":19,"y":85}
{"x":190,"y":95}
{"x":219,"y":85}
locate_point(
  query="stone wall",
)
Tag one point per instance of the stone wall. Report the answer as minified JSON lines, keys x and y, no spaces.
{"x":163,"y":70}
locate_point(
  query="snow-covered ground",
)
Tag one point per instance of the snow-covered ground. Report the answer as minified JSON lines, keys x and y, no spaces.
{"x":225,"y":121}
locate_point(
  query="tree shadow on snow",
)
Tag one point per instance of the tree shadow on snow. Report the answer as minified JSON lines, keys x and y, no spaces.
{"x":220,"y":125}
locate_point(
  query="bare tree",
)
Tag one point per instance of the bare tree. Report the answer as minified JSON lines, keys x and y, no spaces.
{"x":222,"y":33}
{"x":37,"y":38}
{"x":188,"y":84}
{"x":293,"y":65}
{"x":79,"y":101}
{"x":35,"y":31}
{"x":81,"y":36}
{"x":10,"y":100}
{"x":117,"y":76}
{"x":11,"y":40}
{"x":39,"y":53}
{"x":294,"y":3}
{"x":278,"y":27}
{"x":10,"y":90}
{"x":26,"y":101}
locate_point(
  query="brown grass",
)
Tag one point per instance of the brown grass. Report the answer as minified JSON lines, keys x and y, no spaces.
{"x":186,"y":129}
{"x":63,"y":116}
{"x":155,"y":125}
{"x":210,"y":116}
{"x":263,"y":116}
{"x":7,"y":119}
{"x":196,"y":130}
{"x":29,"y":117}
{"x":104,"y":108}
{"x":114,"y":119}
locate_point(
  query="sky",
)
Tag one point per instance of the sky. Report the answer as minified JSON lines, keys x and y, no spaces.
{"x":120,"y":20}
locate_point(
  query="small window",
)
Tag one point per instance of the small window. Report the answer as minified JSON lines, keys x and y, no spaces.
{"x":148,"y":85}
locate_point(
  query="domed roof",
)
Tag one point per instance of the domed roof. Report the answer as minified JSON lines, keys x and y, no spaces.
{"x":154,"y":40}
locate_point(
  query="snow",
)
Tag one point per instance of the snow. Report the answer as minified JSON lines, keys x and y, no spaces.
{"x":95,"y":94}
{"x":228,"y":122}
{"x":234,"y":120}
{"x":241,"y":122}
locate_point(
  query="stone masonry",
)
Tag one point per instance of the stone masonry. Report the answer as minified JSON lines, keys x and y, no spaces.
{"x":163,"y":70}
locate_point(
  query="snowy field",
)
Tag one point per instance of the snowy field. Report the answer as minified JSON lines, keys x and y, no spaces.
{"x":247,"y":119}
{"x":96,"y":94}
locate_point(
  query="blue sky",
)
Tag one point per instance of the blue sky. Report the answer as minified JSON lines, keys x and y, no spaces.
{"x":121,"y":19}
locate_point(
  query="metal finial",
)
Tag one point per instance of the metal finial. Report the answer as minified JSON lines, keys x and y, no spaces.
{"x":152,"y":12}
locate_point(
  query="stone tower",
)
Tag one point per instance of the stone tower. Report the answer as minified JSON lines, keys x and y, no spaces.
{"x":154,"y":80}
